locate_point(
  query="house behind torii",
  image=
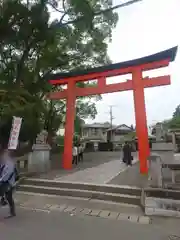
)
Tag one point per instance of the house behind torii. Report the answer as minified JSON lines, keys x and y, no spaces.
{"x":104,"y":132}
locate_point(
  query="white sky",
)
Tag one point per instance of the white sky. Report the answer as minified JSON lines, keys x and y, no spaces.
{"x":143,"y":29}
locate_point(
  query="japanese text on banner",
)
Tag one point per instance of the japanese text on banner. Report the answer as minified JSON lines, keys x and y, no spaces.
{"x":14,"y":135}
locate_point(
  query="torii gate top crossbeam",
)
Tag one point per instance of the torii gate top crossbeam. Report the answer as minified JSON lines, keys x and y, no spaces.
{"x":157,"y":60}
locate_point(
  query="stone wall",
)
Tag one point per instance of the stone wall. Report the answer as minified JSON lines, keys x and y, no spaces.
{"x":162,"y":207}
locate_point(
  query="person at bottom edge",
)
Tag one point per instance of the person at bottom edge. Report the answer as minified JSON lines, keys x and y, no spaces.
{"x":7,"y":180}
{"x":3,"y":201}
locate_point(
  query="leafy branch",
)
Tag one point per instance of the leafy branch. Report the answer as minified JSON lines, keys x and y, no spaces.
{"x":81,"y":18}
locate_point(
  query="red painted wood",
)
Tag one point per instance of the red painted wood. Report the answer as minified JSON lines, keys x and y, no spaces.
{"x":115,"y":72}
{"x":141,"y":122}
{"x":104,"y":89}
{"x":157,"y":81}
{"x":116,"y":87}
{"x":57,"y":95}
{"x":154,"y":65}
{"x":101,"y":82}
{"x":69,"y":126}
{"x":137,"y":84}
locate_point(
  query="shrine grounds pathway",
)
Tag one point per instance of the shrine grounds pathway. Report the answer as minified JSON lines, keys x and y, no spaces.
{"x":98,"y":168}
{"x":132,"y":177}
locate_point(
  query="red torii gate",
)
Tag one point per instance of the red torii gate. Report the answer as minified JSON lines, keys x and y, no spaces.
{"x":137,"y":84}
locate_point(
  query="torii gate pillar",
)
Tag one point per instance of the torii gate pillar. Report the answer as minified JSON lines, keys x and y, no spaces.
{"x":141,"y":121}
{"x":69,"y":125}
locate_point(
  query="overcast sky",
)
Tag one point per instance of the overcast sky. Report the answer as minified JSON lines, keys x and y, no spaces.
{"x":144,"y":28}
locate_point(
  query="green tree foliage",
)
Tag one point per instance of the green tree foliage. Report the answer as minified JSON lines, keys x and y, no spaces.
{"x":174,"y":122}
{"x":34,"y":43}
{"x":177,"y":112}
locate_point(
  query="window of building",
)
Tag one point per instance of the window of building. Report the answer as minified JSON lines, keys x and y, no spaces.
{"x":95,"y":131}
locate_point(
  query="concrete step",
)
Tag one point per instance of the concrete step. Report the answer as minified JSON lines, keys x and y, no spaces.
{"x":113,"y":197}
{"x":162,"y":193}
{"x":105,"y":188}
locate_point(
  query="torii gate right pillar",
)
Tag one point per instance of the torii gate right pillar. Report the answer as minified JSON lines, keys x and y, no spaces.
{"x":141,"y":121}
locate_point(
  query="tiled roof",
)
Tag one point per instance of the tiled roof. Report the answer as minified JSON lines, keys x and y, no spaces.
{"x":97,"y":125}
{"x":121,"y":127}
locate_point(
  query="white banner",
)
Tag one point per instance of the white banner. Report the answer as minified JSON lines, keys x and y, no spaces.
{"x":14,"y":135}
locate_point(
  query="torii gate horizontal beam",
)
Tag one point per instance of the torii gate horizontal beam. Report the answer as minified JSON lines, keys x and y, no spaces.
{"x":110,"y":88}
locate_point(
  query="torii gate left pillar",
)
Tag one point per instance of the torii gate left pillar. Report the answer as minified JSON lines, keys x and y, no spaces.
{"x":137,"y":84}
{"x":69,"y":124}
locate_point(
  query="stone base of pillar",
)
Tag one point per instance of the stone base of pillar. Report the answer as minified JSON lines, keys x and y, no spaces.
{"x":166,"y":152}
{"x":39,"y":158}
{"x":155,"y":172}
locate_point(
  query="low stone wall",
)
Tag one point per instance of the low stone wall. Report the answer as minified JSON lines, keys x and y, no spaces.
{"x":162,"y":207}
{"x":161,"y":202}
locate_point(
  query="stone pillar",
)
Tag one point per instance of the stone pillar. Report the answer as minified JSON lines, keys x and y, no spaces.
{"x":164,"y":149}
{"x":174,"y":141}
{"x":155,"y":172}
{"x":159,"y":132}
{"x":39,"y":158}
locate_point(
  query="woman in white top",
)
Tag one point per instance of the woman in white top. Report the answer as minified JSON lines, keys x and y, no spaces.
{"x":75,"y":155}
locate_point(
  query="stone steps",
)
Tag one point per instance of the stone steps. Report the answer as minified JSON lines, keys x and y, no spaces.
{"x":162,"y":193}
{"x":114,"y":193}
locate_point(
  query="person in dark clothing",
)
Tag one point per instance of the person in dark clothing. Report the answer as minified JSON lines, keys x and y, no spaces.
{"x":80,"y":152}
{"x":3,"y":198}
{"x":7,"y":180}
{"x":127,"y":157}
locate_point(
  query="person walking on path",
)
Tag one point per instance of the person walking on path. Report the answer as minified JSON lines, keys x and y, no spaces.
{"x":127,"y":157}
{"x":3,"y":198}
{"x":7,"y":179}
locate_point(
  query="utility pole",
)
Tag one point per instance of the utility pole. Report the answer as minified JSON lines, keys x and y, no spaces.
{"x":111,"y":120}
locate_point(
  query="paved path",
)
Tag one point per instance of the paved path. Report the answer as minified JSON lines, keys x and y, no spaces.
{"x":131,"y":177}
{"x":41,"y":201}
{"x":30,"y":225}
{"x":44,"y":218}
{"x":76,"y":206}
{"x":100,"y":174}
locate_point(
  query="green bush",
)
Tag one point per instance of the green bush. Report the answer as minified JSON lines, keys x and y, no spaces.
{"x":57,"y":149}
{"x":60,"y":140}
